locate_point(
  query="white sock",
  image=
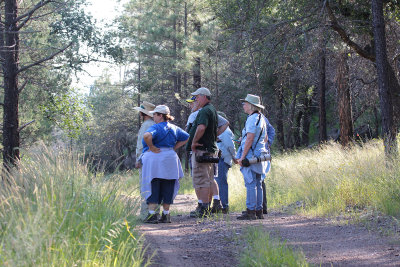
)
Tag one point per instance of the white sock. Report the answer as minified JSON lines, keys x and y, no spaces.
{"x":165,"y":212}
{"x":216,"y":197}
{"x":200,"y":201}
{"x":152,"y":211}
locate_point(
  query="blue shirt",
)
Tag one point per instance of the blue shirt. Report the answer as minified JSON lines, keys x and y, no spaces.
{"x":270,"y":132}
{"x":165,"y":134}
{"x":256,"y":125}
{"x":226,"y":146}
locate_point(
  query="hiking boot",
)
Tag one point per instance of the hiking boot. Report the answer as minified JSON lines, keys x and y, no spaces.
{"x":165,"y":218}
{"x":204,"y":211}
{"x":259,"y":214}
{"x":225,"y":210}
{"x":195,"y":213}
{"x":216,"y":207}
{"x":249,"y":215}
{"x":152,"y":218}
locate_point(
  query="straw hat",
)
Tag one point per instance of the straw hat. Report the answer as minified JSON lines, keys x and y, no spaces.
{"x":146,"y":107}
{"x":254,"y":100}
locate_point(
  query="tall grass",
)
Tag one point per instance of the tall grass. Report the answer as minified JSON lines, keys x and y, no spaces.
{"x":262,"y":250}
{"x":329,"y":180}
{"x":54,"y":212}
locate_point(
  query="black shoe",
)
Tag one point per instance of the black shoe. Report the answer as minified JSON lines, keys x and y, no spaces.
{"x":225,"y":210}
{"x":195,"y":213}
{"x":265,"y":211}
{"x":165,"y":218}
{"x":216,"y":207}
{"x":152,"y":218}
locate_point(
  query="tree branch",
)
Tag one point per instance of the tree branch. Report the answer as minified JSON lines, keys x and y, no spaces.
{"x":29,"y":14}
{"x":26,"y":124}
{"x":22,"y":87}
{"x":24,"y":68}
{"x":345,"y":37}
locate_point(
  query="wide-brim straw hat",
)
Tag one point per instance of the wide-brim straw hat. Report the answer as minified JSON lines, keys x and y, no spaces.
{"x":254,"y":100}
{"x":146,"y":107}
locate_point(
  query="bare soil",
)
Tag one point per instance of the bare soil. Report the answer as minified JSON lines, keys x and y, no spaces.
{"x":217,"y":241}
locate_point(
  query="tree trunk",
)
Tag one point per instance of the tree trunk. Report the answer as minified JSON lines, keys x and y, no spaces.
{"x":296,"y":134}
{"x":11,"y":140}
{"x":344,"y":101}
{"x":309,"y":109}
{"x":382,"y":67}
{"x":139,"y":88}
{"x":323,"y":136}
{"x":289,"y":140}
{"x":197,"y":64}
{"x":279,"y":122}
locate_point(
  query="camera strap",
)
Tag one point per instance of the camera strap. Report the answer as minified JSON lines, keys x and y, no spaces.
{"x":261,"y":132}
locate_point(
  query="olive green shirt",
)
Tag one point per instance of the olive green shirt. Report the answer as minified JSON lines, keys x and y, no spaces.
{"x":207,"y":116}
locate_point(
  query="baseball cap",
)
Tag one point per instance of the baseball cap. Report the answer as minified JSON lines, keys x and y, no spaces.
{"x":202,"y":91}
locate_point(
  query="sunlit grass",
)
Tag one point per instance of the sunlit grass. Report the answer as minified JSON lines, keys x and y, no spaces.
{"x":54,"y":212}
{"x":262,"y":250}
{"x":329,"y":180}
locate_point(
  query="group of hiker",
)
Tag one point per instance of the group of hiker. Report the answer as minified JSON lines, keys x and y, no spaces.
{"x":209,"y":141}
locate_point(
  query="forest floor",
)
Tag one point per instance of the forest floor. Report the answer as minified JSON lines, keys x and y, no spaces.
{"x":217,"y":241}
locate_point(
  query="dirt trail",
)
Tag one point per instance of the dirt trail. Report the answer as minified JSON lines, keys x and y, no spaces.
{"x":215,"y":242}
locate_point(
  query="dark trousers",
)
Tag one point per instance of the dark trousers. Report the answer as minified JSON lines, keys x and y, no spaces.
{"x":264,"y":197}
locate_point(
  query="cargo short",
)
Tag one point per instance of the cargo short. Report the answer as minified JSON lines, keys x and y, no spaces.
{"x":203,"y":173}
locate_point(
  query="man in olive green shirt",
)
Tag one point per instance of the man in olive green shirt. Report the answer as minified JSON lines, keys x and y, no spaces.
{"x":202,"y":142}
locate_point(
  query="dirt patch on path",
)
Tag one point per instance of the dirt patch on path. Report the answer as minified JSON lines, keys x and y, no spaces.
{"x":215,"y":242}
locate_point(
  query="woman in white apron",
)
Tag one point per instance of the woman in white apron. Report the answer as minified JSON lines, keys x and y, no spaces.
{"x":162,"y":168}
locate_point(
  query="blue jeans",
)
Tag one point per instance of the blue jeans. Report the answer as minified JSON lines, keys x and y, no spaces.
{"x":222,"y":181}
{"x":254,"y":198}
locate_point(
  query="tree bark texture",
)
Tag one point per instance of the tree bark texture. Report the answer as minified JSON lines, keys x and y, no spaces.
{"x":323,"y":136}
{"x":280,"y":128}
{"x":197,"y":64}
{"x":382,"y":67}
{"x":11,"y":140}
{"x":305,"y":139}
{"x":344,"y":101}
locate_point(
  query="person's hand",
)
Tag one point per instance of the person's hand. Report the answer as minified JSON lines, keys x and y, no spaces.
{"x":155,"y":149}
{"x":195,"y":145}
{"x":240,"y":162}
{"x":138,"y":165}
{"x":235,"y":161}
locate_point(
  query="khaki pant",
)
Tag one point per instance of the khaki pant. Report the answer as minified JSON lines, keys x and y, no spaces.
{"x":203,"y":173}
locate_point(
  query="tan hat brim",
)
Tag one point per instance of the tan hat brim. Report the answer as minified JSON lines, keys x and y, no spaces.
{"x":257,"y":105}
{"x":143,"y":111}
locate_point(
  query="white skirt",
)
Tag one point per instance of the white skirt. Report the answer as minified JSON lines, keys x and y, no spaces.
{"x":163,"y":165}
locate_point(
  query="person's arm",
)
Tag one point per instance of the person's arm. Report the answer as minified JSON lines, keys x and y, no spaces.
{"x":222,"y":128}
{"x":247,"y":146}
{"x":148,"y":138}
{"x":180,"y":144}
{"x":222,"y":125}
{"x":201,"y":128}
